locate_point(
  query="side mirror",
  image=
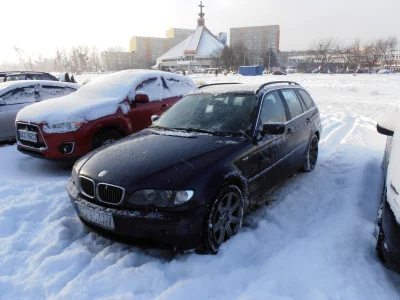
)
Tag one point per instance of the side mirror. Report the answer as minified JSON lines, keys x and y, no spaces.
{"x":387,"y":123}
{"x":273,"y":128}
{"x":2,"y":102}
{"x":154,"y":118}
{"x":141,"y":97}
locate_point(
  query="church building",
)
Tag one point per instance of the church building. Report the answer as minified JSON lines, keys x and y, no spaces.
{"x":195,"y":53}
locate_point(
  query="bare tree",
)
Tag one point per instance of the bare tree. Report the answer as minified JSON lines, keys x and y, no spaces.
{"x":325,"y":51}
{"x":370,"y":55}
{"x":392,"y":43}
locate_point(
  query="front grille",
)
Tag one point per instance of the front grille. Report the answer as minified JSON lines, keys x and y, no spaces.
{"x":110,"y":193}
{"x":87,"y":186}
{"x":34,"y":128}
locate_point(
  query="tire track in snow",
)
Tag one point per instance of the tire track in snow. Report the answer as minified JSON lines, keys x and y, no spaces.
{"x":330,"y":142}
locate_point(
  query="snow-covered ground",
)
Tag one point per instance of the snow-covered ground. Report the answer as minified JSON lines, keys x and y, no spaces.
{"x":315,"y":241}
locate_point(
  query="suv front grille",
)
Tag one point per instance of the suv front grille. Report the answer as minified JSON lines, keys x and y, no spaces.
{"x":110,"y":193}
{"x":34,"y":128}
{"x":87,"y":186}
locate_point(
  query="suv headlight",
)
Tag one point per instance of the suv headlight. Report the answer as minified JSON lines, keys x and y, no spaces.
{"x":63,"y":127}
{"x":160,"y":198}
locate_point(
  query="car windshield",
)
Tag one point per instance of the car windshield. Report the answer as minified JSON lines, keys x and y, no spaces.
{"x":223,"y":113}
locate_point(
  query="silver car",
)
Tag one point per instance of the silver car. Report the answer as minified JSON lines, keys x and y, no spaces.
{"x":15,"y":95}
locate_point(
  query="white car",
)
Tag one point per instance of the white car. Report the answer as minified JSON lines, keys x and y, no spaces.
{"x":384,"y":71}
{"x":388,"y":220}
{"x":15,"y":95}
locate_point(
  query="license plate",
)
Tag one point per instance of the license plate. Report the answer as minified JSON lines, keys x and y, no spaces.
{"x":103,"y":219}
{"x":27,"y":136}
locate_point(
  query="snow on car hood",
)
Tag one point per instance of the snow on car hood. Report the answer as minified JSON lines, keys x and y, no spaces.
{"x":100,"y":97}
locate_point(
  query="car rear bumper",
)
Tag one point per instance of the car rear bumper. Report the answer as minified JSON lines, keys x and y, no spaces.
{"x":173,"y":230}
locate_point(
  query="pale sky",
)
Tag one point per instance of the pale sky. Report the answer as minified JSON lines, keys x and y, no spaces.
{"x":39,"y":26}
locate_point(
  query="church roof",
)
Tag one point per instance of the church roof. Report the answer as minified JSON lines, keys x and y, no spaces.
{"x":202,"y":42}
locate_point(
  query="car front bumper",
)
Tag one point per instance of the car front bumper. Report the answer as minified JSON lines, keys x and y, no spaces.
{"x":52,"y":144}
{"x":179,"y":230}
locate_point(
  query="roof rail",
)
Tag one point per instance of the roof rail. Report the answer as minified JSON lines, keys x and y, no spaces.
{"x":274,"y":82}
{"x":218,"y":83}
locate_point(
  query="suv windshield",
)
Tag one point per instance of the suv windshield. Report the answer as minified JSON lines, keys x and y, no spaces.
{"x":224,"y":113}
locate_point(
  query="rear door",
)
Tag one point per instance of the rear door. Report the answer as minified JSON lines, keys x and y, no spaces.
{"x":298,"y":129}
{"x":15,"y":100}
{"x":140,"y":113}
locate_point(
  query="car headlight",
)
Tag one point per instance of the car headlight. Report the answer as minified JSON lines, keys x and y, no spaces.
{"x":75,"y":175}
{"x":78,"y":166}
{"x":63,"y":127}
{"x":160,"y":198}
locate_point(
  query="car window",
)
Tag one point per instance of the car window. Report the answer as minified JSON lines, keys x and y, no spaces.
{"x":21,"y":95}
{"x":153,"y":87}
{"x":39,"y":77}
{"x":49,"y":92}
{"x":272,"y":110}
{"x":306,"y":98}
{"x":292,"y":102}
{"x":15,"y":77}
{"x":179,"y":87}
{"x":218,"y":113}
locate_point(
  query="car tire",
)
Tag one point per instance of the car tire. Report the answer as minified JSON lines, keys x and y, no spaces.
{"x":312,"y":155}
{"x":379,"y":244}
{"x":105,"y":138}
{"x":224,"y":219}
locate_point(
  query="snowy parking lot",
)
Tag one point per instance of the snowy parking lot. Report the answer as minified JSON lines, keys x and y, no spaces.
{"x":314,"y":241}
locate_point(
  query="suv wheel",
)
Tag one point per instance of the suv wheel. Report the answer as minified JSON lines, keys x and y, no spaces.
{"x":105,"y":138}
{"x":312,"y":155}
{"x":223,"y":220}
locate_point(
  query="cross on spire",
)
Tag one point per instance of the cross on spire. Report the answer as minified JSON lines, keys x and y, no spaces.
{"x":201,"y":14}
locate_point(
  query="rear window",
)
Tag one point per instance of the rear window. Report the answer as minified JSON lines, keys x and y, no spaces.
{"x":293,"y":103}
{"x":306,"y":98}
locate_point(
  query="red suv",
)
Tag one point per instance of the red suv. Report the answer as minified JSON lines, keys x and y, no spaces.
{"x":99,"y":113}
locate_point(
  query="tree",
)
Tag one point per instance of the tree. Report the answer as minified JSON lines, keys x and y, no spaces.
{"x":351,"y":54}
{"x":21,"y":54}
{"x":370,"y":55}
{"x":324,"y":51}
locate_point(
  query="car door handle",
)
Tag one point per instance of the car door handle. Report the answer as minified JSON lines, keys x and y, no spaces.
{"x":164,"y":105}
{"x":308,"y":120}
{"x":290,"y":130}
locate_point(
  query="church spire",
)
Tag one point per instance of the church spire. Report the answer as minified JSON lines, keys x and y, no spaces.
{"x":201,"y":21}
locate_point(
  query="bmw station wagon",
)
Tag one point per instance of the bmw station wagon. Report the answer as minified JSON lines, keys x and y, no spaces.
{"x":186,"y":182}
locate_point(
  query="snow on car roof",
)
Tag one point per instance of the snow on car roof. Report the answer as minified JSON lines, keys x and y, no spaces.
{"x":100,"y":97}
{"x":10,"y":85}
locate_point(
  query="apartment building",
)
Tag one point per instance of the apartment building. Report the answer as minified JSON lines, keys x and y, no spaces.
{"x":256,"y":39}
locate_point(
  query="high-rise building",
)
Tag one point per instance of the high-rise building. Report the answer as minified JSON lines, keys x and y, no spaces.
{"x":256,"y":39}
{"x":148,"y":49}
{"x":116,"y":61}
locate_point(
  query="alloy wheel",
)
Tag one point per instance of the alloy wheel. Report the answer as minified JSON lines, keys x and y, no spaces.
{"x":228,"y":219}
{"x":313,"y":152}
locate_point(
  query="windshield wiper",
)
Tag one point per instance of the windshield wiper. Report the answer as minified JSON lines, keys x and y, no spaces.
{"x":219,"y":133}
{"x":160,"y":127}
{"x":190,"y":129}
